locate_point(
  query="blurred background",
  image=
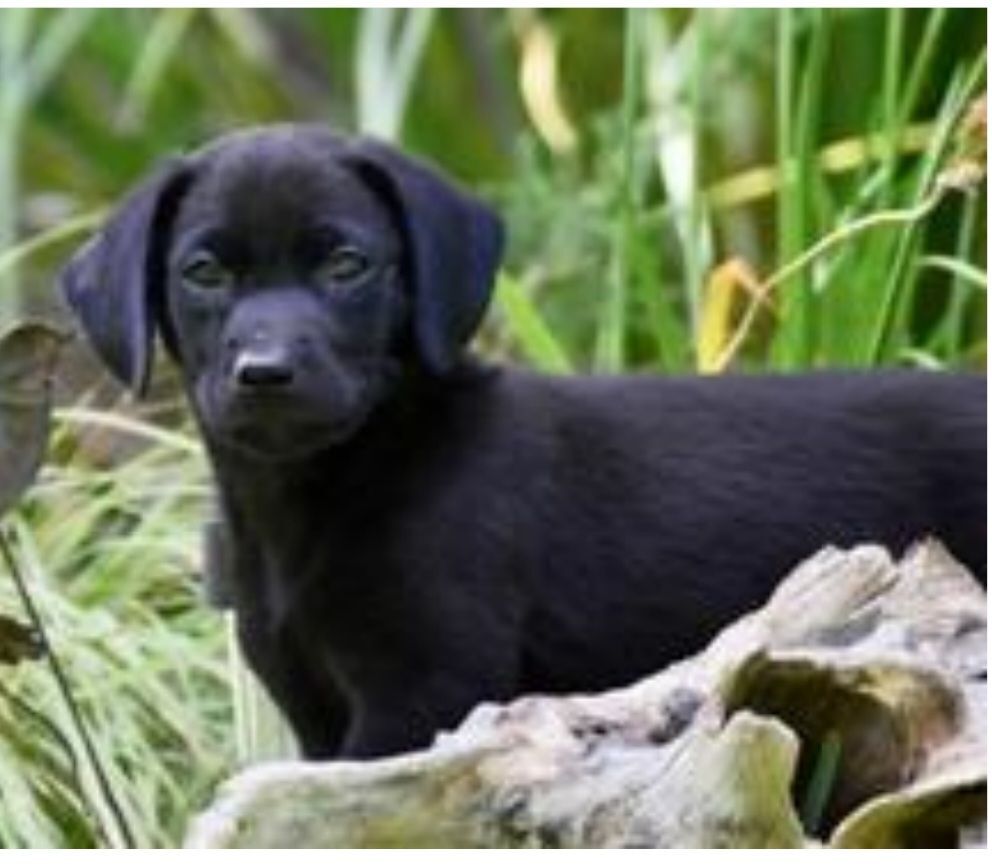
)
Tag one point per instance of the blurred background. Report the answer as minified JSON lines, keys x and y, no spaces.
{"x":685,"y":191}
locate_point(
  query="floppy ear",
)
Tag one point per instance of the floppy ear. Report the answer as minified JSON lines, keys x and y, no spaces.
{"x":114,"y":282}
{"x":454,"y":244}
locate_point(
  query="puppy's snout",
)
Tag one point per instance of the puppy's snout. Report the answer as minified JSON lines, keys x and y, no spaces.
{"x":263,"y":367}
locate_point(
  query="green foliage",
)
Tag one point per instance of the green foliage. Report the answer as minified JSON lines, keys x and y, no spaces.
{"x":864,"y":302}
{"x":684,"y":190}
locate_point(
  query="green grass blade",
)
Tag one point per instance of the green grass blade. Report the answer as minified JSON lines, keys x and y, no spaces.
{"x":963,"y":271}
{"x":821,"y":783}
{"x":528,"y":328}
{"x":923,"y":58}
{"x":391,"y":43}
{"x":950,"y":337}
{"x":15,"y":31}
{"x":55,"y":44}
{"x":610,"y":350}
{"x":798,"y":118}
{"x":70,"y":229}
{"x":165,"y":36}
{"x":789,"y":222}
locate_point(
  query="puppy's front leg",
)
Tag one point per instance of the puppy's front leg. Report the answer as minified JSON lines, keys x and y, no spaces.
{"x":411,"y":715}
{"x":313,"y":705}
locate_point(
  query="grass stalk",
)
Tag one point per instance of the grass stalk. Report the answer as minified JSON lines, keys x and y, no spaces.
{"x":843,"y":234}
{"x":610,"y":350}
{"x":892,"y":120}
{"x":15,"y":27}
{"x":536,"y":340}
{"x":12,"y":257}
{"x":896,"y":288}
{"x":923,"y":57}
{"x":152,"y":433}
{"x":696,"y":264}
{"x":391,"y":43}
{"x":789,"y":203}
{"x":165,"y":36}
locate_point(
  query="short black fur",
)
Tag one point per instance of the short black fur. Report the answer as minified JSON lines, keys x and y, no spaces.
{"x":407,"y":531}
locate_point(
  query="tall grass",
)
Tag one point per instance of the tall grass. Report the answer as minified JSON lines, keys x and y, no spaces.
{"x":862,"y":299}
{"x":747,"y":189}
{"x":108,"y":555}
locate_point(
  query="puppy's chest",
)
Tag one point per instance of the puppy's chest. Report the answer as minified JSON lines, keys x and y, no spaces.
{"x":321,"y":576}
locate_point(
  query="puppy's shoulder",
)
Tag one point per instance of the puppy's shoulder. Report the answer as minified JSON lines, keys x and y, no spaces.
{"x":524,"y":398}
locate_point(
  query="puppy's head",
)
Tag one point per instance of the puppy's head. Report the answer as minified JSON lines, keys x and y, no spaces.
{"x":292,"y":274}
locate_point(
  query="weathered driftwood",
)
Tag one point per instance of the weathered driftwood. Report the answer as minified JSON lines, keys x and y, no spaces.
{"x":884,"y":661}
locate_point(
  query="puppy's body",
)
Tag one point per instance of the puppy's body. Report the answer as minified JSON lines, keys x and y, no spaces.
{"x":518,"y":533}
{"x":411,"y":532}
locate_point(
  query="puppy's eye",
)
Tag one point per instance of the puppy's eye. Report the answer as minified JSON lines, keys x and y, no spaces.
{"x":343,"y":265}
{"x":204,"y":271}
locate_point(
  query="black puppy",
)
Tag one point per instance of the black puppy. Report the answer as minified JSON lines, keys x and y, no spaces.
{"x":412,"y":532}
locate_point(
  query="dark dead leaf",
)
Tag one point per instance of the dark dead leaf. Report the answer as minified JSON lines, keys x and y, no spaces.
{"x":18,"y":642}
{"x":28,"y":353}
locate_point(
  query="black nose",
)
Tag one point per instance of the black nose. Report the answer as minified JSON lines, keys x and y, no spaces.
{"x":263,"y":368}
